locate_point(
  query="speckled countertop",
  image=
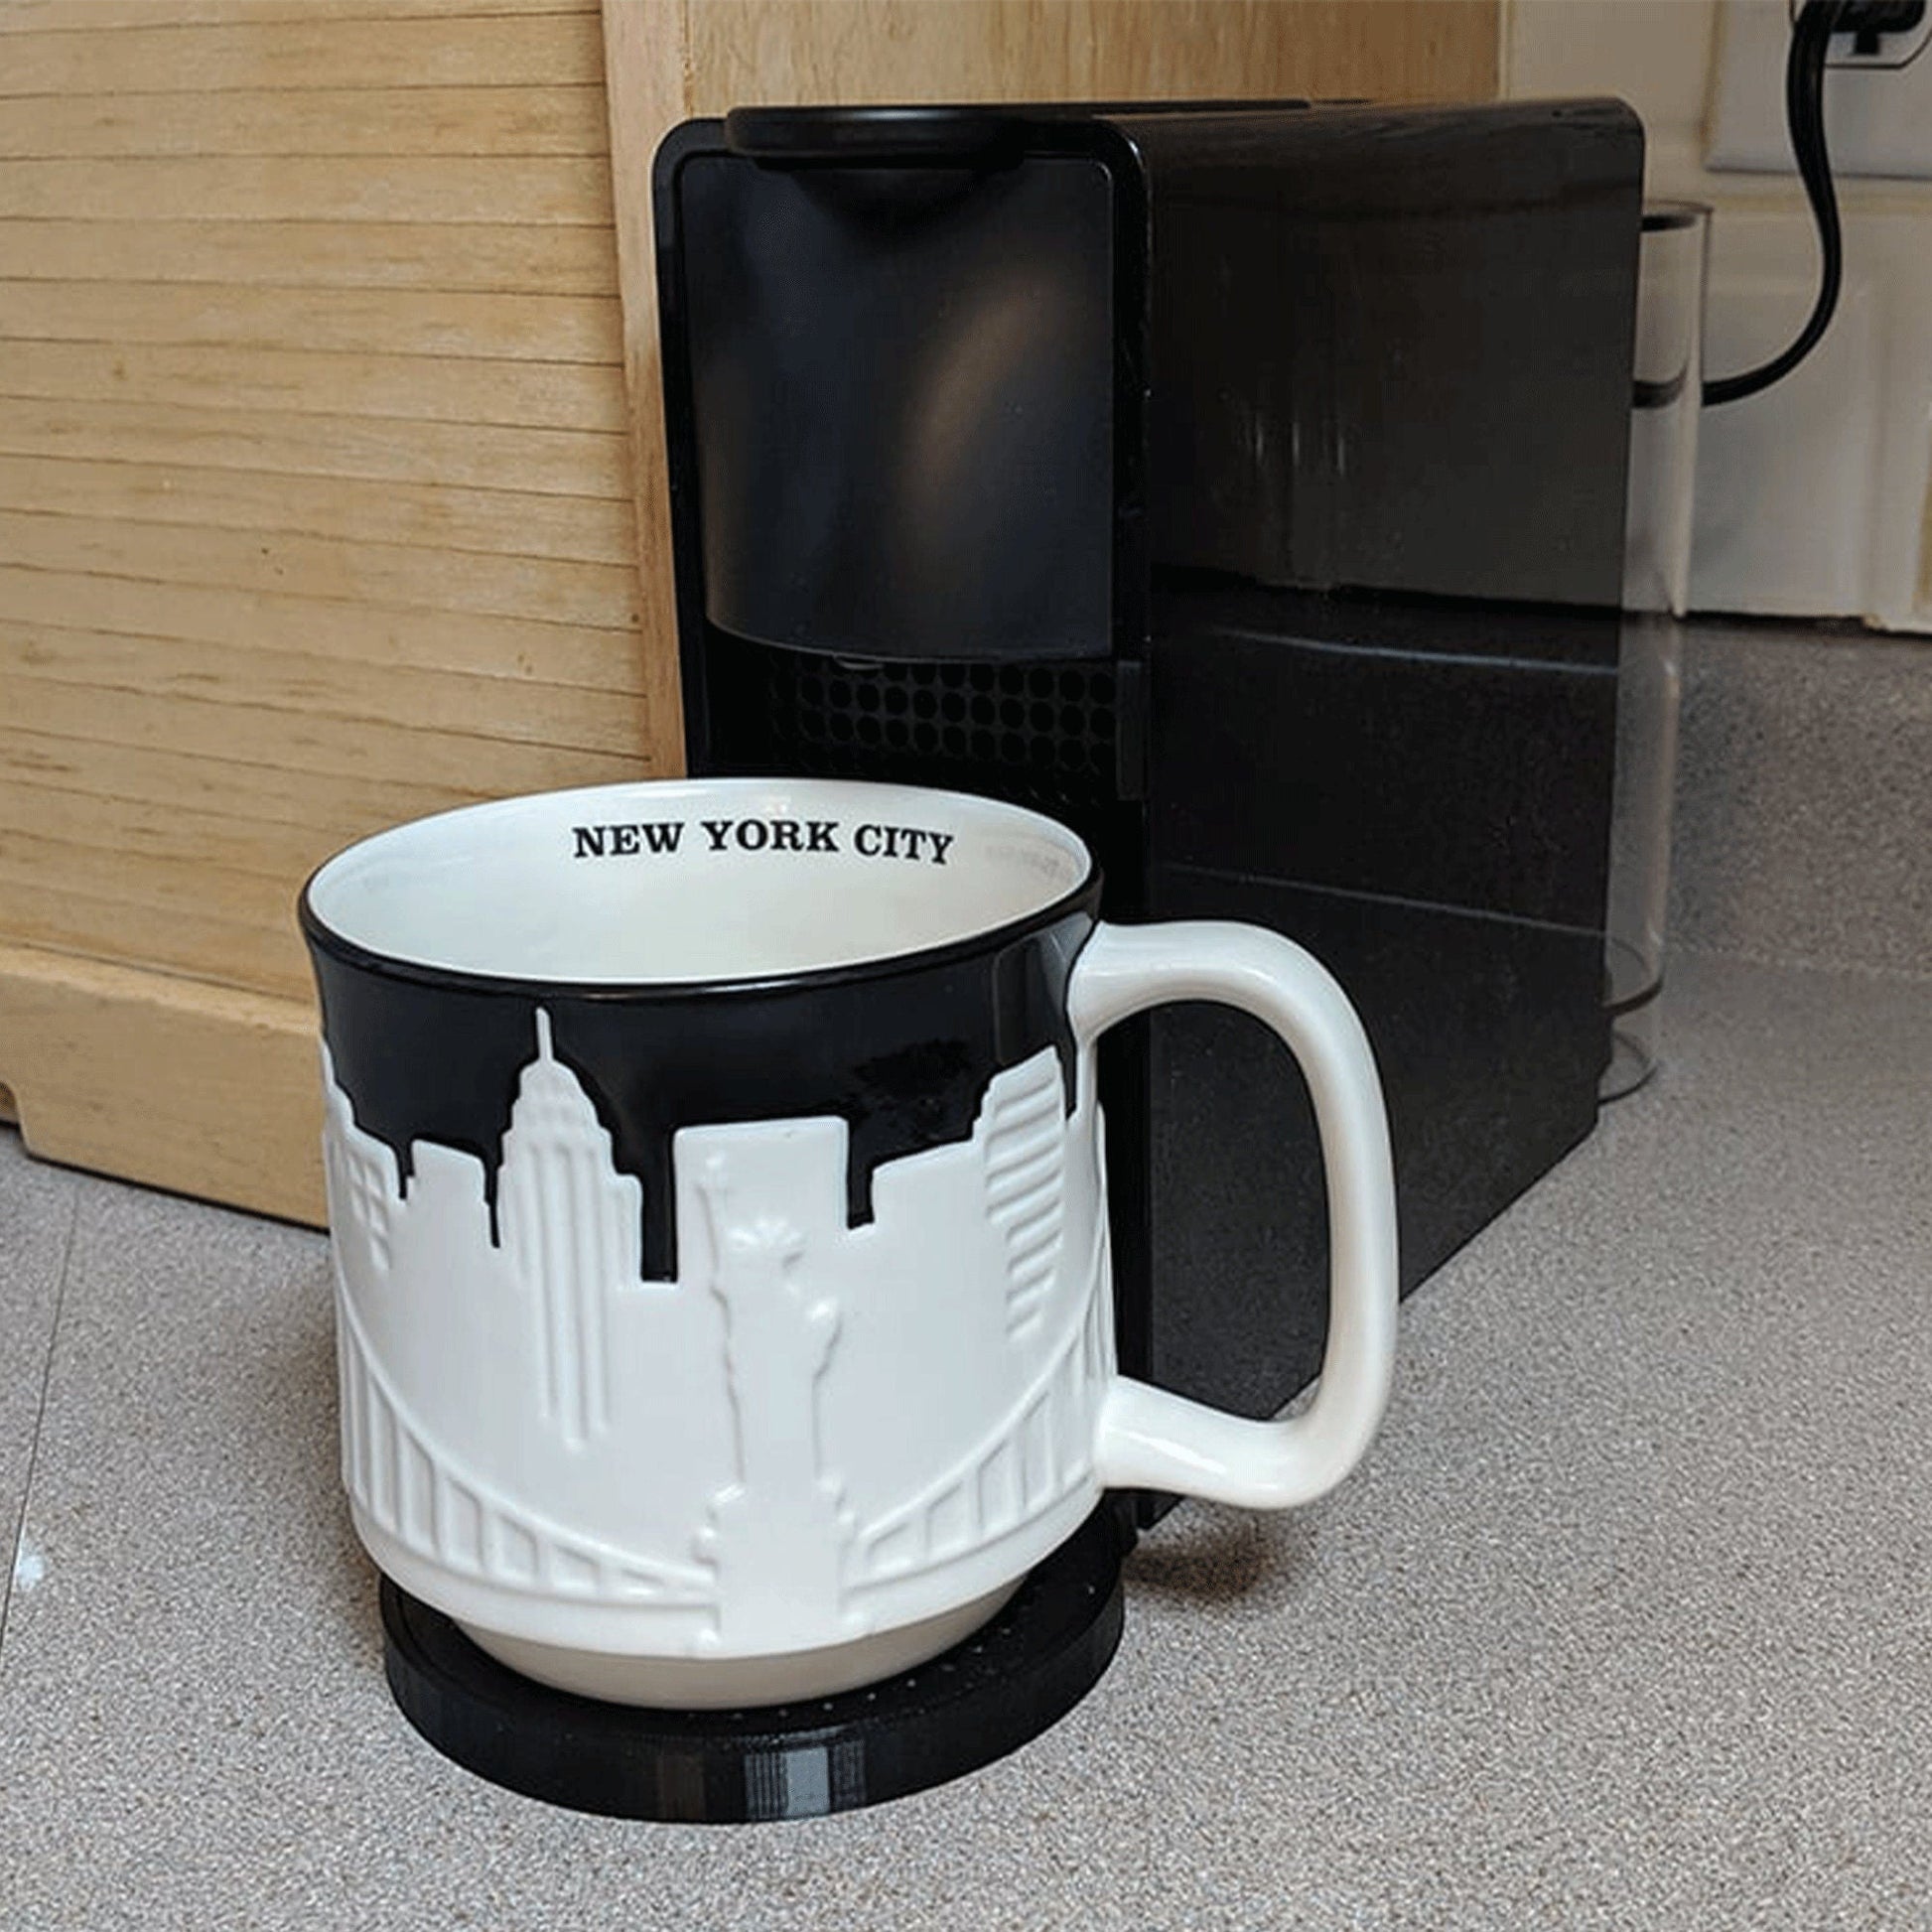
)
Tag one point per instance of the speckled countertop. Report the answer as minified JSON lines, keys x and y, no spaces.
{"x":1626,"y":1620}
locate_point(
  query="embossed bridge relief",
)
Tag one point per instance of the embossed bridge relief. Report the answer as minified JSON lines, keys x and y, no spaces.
{"x":748,"y":1453}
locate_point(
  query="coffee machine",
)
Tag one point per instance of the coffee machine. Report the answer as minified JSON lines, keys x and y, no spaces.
{"x":1244,"y":485}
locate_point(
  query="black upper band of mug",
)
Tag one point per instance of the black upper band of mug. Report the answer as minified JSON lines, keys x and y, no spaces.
{"x":901,"y":1047}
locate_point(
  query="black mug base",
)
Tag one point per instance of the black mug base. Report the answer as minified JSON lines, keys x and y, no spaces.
{"x":987,"y":1696}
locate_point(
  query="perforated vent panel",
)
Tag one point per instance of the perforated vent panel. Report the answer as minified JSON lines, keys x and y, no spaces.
{"x":1040,"y":734}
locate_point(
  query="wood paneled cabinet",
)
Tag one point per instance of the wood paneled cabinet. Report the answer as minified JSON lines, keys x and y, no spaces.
{"x":331,"y":482}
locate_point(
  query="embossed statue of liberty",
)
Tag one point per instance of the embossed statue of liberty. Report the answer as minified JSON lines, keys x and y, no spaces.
{"x":778,"y":1534}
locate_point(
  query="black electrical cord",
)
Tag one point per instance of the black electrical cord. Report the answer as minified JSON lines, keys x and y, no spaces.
{"x":1804,"y":112}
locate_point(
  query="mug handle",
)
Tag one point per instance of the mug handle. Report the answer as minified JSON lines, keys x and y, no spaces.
{"x":1152,"y":1439}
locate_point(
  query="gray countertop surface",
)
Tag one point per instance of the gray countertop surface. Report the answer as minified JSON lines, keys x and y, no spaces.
{"x":1626,"y":1621}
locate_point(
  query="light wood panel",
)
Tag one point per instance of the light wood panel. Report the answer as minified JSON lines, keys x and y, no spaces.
{"x":272,"y":848}
{"x":510,"y":710}
{"x":408,"y":322}
{"x":111,"y":715}
{"x":478,"y":455}
{"x":107,"y":908}
{"x":171,"y":780}
{"x":283,"y":382}
{"x":316,"y":510}
{"x":87,"y":16}
{"x":543,"y":588}
{"x":561,"y":259}
{"x":490,"y":522}
{"x":318,"y":46}
{"x":747,"y":51}
{"x":647,"y":85}
{"x":205,"y":1089}
{"x":365,"y":635}
{"x":569,"y":189}
{"x":77,"y":915}
{"x":61,"y":886}
{"x":326,"y":121}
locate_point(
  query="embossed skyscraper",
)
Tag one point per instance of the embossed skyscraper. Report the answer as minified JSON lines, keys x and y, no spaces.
{"x":571,"y":1223}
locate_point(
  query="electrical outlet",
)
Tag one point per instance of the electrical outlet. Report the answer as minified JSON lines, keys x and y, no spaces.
{"x":1878,"y":106}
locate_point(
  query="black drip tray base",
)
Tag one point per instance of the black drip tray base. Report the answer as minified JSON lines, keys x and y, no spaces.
{"x":979,"y":1700}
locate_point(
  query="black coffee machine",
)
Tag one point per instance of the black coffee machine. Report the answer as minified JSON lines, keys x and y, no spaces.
{"x":1243,"y":483}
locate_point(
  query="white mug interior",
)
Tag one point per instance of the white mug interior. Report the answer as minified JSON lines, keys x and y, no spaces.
{"x":711,"y":880}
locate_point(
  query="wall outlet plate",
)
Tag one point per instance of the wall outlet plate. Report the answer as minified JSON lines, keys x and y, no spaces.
{"x":1878,"y":107}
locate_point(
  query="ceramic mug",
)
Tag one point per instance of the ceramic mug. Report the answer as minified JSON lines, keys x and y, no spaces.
{"x":716,"y":1179}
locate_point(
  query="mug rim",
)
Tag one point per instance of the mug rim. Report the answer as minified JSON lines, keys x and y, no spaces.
{"x":351,"y":952}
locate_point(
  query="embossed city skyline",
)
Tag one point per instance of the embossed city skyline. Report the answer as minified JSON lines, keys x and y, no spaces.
{"x":860,"y":1470}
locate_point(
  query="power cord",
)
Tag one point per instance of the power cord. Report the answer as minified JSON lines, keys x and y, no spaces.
{"x":1804,"y":112}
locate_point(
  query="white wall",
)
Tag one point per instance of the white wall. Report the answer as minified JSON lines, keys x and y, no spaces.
{"x":1811,"y":498}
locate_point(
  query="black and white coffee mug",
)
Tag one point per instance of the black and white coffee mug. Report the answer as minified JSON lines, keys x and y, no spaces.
{"x":715,"y":1174}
